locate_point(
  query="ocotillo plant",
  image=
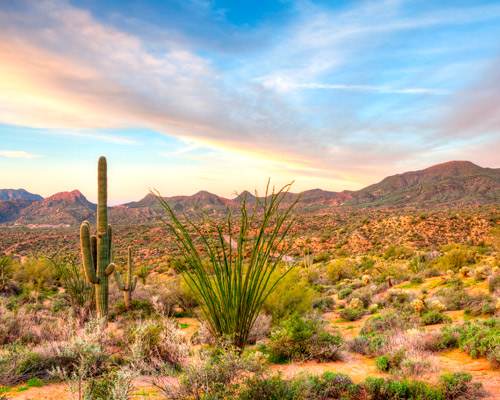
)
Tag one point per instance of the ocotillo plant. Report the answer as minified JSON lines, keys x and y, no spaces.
{"x":129,"y":286}
{"x":241,"y":272}
{"x":96,"y":249}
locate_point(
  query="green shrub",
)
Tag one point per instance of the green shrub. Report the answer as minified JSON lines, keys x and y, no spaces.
{"x":341,"y":269}
{"x":324,"y":304}
{"x":481,"y":339}
{"x":344,"y":293}
{"x":303,"y":339}
{"x":273,"y":387}
{"x":291,"y":296}
{"x":434,"y":317}
{"x":458,"y":385}
{"x":333,"y":386}
{"x":352,"y":314}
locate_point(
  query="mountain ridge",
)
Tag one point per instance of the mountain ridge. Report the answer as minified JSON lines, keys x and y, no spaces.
{"x":441,"y":185}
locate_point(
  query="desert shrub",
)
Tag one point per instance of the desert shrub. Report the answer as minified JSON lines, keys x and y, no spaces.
{"x":268,"y":387}
{"x":214,"y":374}
{"x":387,"y":389}
{"x":139,"y":308}
{"x":35,"y":274}
{"x":391,"y":361}
{"x":333,"y":386}
{"x":112,"y":385}
{"x":400,"y":300}
{"x":304,"y":339}
{"x":324,"y":304}
{"x":368,"y":345}
{"x":352,"y":314}
{"x":344,"y":293}
{"x":321,"y":257}
{"x":398,"y":253}
{"x":365,"y":294}
{"x":341,"y":269}
{"x":434,"y":317}
{"x":387,"y":322}
{"x":291,"y":296}
{"x":454,"y":259}
{"x":458,"y":385}
{"x":156,"y":345}
{"x":481,"y":339}
{"x":84,"y":351}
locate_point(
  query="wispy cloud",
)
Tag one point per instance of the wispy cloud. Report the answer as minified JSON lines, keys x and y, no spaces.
{"x":17,"y":154}
{"x":63,"y":69}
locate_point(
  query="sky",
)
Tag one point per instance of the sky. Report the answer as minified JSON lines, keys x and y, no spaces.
{"x":194,"y":95}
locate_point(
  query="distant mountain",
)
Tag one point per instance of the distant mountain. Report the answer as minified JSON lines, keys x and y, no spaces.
{"x":455,"y":182}
{"x":61,"y":208}
{"x":18,"y":194}
{"x":443,"y":185}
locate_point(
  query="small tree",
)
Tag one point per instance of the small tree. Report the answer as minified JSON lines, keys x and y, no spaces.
{"x":237,"y":280}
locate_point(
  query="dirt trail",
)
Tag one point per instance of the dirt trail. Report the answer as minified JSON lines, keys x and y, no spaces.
{"x":480,"y":369}
{"x":356,"y":366}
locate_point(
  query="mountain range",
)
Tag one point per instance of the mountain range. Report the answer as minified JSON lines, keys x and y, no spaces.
{"x":444,"y":185}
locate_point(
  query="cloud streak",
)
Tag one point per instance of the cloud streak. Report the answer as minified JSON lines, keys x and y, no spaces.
{"x":17,"y":154}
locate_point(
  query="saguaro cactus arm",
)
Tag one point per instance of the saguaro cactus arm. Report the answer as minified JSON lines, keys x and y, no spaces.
{"x":88,"y":262}
{"x":109,"y":269}
{"x":118,"y":280}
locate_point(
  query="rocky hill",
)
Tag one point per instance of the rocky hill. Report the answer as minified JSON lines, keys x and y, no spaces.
{"x":62,"y":208}
{"x":444,"y":185}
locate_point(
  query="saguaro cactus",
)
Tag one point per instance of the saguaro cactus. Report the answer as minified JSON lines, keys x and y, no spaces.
{"x":130,"y":285}
{"x":96,"y":249}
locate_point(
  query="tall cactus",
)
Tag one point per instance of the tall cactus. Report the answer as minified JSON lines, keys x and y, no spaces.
{"x":96,"y":249}
{"x":130,"y":285}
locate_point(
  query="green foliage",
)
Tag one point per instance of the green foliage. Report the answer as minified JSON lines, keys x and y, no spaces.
{"x":341,"y":269}
{"x":390,"y":362}
{"x":398,"y":253}
{"x":5,"y":270}
{"x":303,"y":339}
{"x":388,"y":322}
{"x":344,"y":293}
{"x":35,"y":273}
{"x":352,"y":314}
{"x":324,"y":304}
{"x":237,"y":282}
{"x":454,"y":259}
{"x":292,"y":295}
{"x":481,"y":339}
{"x":434,"y":317}
{"x":80,"y":291}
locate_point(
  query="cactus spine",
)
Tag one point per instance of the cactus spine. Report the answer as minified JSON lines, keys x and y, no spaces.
{"x":130,"y":285}
{"x":96,"y":249}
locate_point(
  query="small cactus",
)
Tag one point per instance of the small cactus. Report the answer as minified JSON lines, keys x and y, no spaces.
{"x":129,"y":286}
{"x":437,"y":305}
{"x":355,"y":303}
{"x":450,"y":273}
{"x":418,"y":305}
{"x":480,"y":273}
{"x":465,"y":271}
{"x":366,"y":279}
{"x":389,"y":280}
{"x":495,"y":271}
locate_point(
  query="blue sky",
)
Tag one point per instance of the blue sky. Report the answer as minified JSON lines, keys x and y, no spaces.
{"x":189,"y":95}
